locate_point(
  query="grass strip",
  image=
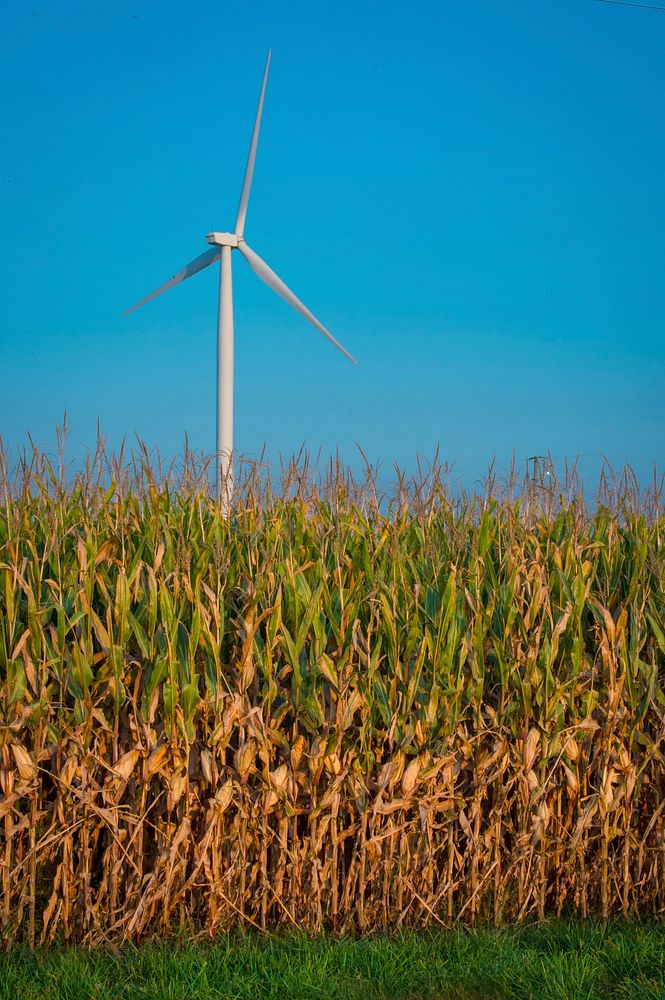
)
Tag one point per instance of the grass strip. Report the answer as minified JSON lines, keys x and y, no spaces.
{"x":553,"y":961}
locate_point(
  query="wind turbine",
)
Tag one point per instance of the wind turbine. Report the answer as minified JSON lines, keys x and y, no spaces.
{"x":222,"y":244}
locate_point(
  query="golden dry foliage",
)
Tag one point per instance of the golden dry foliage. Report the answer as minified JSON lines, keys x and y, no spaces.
{"x":328,"y":712}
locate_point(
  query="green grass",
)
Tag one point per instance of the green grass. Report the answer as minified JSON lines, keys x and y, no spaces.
{"x":556,"y":961}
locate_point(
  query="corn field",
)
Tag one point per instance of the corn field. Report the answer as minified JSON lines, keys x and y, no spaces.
{"x":336,"y":709}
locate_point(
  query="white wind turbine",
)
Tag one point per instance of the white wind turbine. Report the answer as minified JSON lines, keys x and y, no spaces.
{"x":221,"y":246}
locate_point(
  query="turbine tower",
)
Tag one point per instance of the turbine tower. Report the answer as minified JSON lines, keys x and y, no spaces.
{"x":221,"y":247}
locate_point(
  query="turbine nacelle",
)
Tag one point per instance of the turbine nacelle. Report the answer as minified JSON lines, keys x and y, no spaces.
{"x":223,"y":239}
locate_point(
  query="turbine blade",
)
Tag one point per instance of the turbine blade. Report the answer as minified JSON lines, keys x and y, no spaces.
{"x":272,"y":281}
{"x":249,"y":170}
{"x":209,"y":257}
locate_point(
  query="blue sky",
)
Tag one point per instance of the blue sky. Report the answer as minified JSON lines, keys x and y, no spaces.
{"x":469,"y":195}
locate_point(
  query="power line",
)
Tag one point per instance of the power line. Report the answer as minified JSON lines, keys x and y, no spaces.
{"x":616,"y":457}
{"x":626,"y":3}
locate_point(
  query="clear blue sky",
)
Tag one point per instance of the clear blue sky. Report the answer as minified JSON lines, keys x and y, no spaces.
{"x":471,"y":196}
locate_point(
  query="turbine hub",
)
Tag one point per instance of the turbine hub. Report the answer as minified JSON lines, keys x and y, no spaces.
{"x":223,"y":239}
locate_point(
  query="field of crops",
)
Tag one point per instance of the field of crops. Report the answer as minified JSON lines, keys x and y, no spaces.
{"x":333,"y":710}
